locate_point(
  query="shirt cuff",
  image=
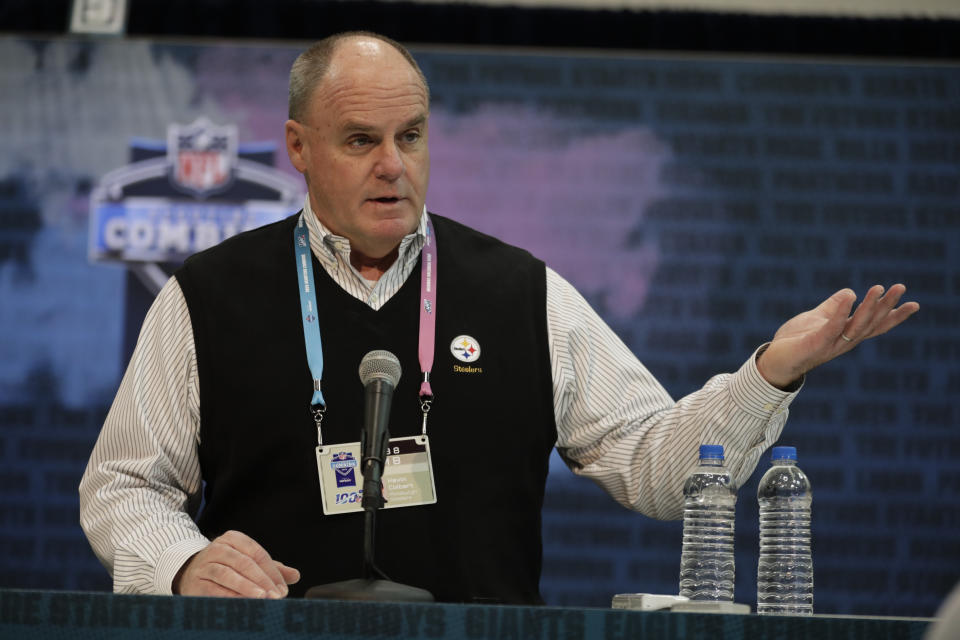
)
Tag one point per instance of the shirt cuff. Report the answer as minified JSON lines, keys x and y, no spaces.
{"x":757,"y":397}
{"x":174,"y":557}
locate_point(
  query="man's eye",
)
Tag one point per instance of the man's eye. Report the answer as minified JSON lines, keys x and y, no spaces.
{"x":359,"y":141}
{"x":411,"y":137}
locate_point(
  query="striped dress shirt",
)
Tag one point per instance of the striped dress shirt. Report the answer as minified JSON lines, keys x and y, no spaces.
{"x":615,"y":423}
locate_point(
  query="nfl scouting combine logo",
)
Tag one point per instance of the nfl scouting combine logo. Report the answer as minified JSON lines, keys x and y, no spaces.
{"x":343,"y":463}
{"x":465,"y":349}
{"x":186,"y":193}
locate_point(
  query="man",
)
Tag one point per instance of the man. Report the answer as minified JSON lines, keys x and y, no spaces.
{"x":220,"y":385}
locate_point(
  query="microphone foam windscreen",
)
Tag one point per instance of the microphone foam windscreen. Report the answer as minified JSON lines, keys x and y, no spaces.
{"x":380,"y":365}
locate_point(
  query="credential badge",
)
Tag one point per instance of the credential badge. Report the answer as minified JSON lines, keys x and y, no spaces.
{"x":465,"y":349}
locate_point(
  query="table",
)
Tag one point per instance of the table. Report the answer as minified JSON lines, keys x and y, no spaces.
{"x":26,"y":615}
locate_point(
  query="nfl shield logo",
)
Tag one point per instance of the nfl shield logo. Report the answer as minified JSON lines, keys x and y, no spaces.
{"x":202,"y":156}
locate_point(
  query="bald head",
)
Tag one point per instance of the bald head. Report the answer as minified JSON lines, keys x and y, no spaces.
{"x":313,"y":66}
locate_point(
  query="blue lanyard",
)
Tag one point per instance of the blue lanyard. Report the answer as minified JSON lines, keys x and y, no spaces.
{"x":308,"y":311}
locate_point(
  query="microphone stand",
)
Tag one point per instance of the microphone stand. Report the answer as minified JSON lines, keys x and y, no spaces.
{"x":374,"y":586}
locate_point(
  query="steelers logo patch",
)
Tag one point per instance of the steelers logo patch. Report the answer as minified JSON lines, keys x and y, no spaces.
{"x":465,"y":349}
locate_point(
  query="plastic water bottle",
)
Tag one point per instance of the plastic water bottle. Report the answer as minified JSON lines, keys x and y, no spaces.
{"x":706,"y":562}
{"x":785,"y":570}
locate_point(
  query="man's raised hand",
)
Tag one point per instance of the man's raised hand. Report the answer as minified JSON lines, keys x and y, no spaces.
{"x":828,"y":330}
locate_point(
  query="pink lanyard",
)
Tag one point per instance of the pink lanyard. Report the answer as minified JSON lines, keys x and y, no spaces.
{"x":428,"y":318}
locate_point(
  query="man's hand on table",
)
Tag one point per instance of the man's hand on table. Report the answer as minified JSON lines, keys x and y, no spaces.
{"x":234,"y":566}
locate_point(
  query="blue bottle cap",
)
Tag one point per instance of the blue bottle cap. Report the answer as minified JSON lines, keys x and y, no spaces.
{"x":783,"y":453}
{"x":714,"y":451}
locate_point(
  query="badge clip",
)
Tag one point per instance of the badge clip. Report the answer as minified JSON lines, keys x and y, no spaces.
{"x":318,"y":410}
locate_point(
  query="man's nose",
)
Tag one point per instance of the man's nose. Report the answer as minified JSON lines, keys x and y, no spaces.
{"x":389,"y":162}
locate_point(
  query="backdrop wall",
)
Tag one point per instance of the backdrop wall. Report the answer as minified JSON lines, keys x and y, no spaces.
{"x":697,"y":203}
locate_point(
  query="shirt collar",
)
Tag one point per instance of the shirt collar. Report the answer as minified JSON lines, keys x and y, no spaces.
{"x":326,"y":245}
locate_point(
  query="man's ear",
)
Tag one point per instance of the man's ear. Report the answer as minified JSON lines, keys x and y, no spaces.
{"x":294,"y":133}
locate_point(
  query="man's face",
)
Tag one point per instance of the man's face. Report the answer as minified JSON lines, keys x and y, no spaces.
{"x":363,"y":146}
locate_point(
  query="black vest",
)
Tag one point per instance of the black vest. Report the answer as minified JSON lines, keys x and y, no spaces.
{"x":491,"y":430}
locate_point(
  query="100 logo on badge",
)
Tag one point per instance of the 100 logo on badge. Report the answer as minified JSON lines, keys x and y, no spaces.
{"x":349,"y":497}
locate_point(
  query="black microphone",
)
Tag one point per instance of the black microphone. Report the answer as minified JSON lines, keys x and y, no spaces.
{"x":379,"y":373}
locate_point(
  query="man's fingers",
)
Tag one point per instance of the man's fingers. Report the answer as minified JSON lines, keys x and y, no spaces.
{"x":230,"y":578}
{"x":245,"y":566}
{"x":856,"y":326}
{"x":886,"y":306}
{"x":895,"y":317}
{"x":204,"y":576}
{"x":840,"y":303}
{"x":214,"y":590}
{"x":883,"y":307}
{"x":263,"y":566}
{"x":877,"y":314}
{"x":834,"y":313}
{"x":211,"y":589}
{"x":290,"y":575}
